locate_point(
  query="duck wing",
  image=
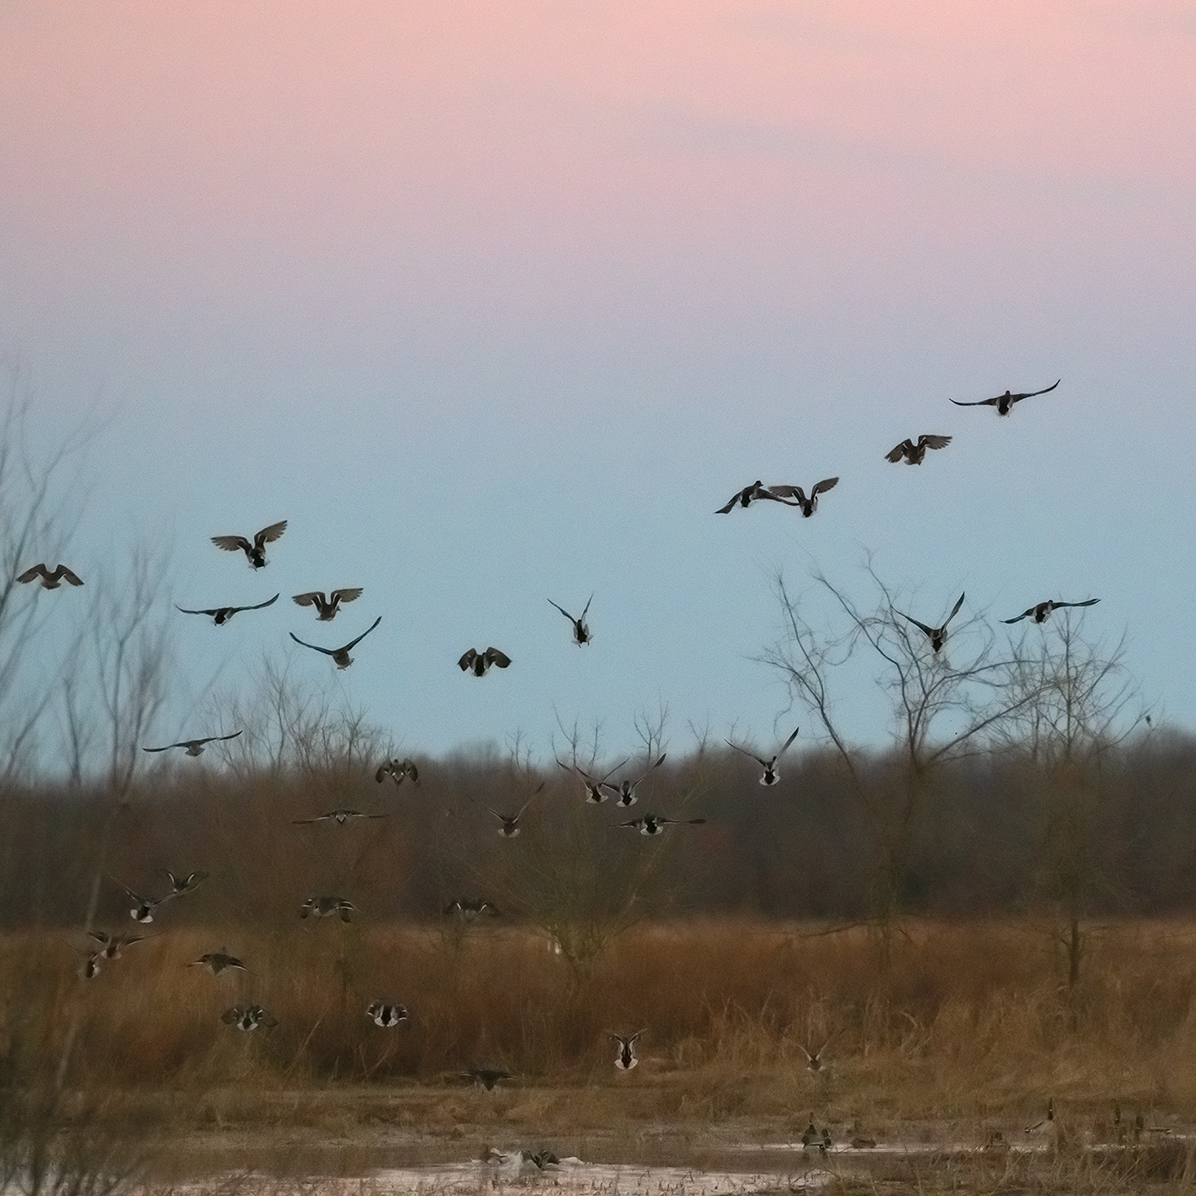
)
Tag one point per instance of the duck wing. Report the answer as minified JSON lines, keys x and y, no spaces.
{"x":232,"y":543}
{"x":354,"y":643}
{"x":269,"y":534}
{"x":316,"y":647}
{"x":895,"y":454}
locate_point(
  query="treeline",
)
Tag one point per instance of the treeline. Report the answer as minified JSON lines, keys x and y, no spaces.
{"x":992,"y":833}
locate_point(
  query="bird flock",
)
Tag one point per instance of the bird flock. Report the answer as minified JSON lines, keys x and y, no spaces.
{"x":596,"y":788}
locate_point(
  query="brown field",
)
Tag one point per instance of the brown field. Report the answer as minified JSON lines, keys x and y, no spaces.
{"x":968,"y":1030}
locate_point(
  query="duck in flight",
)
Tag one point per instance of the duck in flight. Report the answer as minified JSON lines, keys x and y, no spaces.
{"x":194,"y":746}
{"x":398,"y":771}
{"x":914,"y":453}
{"x":217,"y":962}
{"x":747,"y":496}
{"x":111,"y":945}
{"x":142,"y":909}
{"x":248,"y":1018}
{"x":510,"y":822}
{"x":626,"y":1058}
{"x":387,"y":1014}
{"x":654,"y":824}
{"x":938,"y":635}
{"x":340,"y":817}
{"x":581,"y":633}
{"x":328,"y":907}
{"x":1004,"y":403}
{"x":340,"y":655}
{"x":624,"y":791}
{"x":594,"y":788}
{"x":51,"y":578}
{"x":469,"y":909}
{"x":1040,"y":611}
{"x":184,"y":883}
{"x":222,"y":614}
{"x":771,"y":776}
{"x":808,"y":505}
{"x":478,"y":662}
{"x":327,"y":607}
{"x":255,"y":552}
{"x":486,"y":1077}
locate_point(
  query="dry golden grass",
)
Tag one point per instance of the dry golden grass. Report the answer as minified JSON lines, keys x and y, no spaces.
{"x":970,"y":1021}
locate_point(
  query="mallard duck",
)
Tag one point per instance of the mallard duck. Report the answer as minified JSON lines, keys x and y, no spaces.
{"x":594,"y":788}
{"x":469,"y":909}
{"x":625,"y":1057}
{"x":112,"y":945}
{"x":914,"y":453}
{"x":540,"y":1159}
{"x":339,"y":655}
{"x":1047,"y":1122}
{"x":387,"y":1014}
{"x":222,"y":614}
{"x":51,"y":578}
{"x":624,"y":791}
{"x":398,"y":771}
{"x":255,"y":552}
{"x":814,"y":1058}
{"x":142,"y":909}
{"x":485,"y":1076}
{"x":747,"y":496}
{"x":217,"y":962}
{"x":194,"y":746}
{"x":248,"y":1018}
{"x":808,"y":505}
{"x":1004,"y":403}
{"x":581,"y":633}
{"x":340,"y":817}
{"x":654,"y":824}
{"x":479,"y":662}
{"x":938,"y":635}
{"x":184,"y":884}
{"x":327,"y":607}
{"x":771,"y":776}
{"x":1042,"y":610}
{"x":328,"y":907}
{"x":510,"y":822}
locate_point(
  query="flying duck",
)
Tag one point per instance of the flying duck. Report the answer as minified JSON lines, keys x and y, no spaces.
{"x":625,"y":1058}
{"x":486,"y":1077}
{"x":184,"y":884}
{"x":248,"y":1017}
{"x":142,"y":909}
{"x":594,"y":789}
{"x":808,"y":505}
{"x":1041,"y":610}
{"x":747,"y":496}
{"x":914,"y":453}
{"x":89,"y":969}
{"x":469,"y":909}
{"x":398,"y":771}
{"x":938,"y":635}
{"x":387,"y":1014}
{"x":654,"y":824}
{"x":340,"y":817}
{"x":771,"y":776}
{"x":111,"y":945}
{"x":255,"y":552}
{"x":222,"y":614}
{"x":624,"y":791}
{"x":194,"y":746}
{"x":327,"y":907}
{"x":217,"y":962}
{"x":1004,"y":403}
{"x":581,"y":633}
{"x":479,"y":662}
{"x":814,"y":1058}
{"x":51,"y":578}
{"x":327,"y":607}
{"x":339,"y":655}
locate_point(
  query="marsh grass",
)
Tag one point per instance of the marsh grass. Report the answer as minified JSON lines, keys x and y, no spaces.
{"x":971,"y":1021}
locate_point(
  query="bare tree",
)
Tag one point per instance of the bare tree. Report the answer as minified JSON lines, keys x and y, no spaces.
{"x":38,"y":511}
{"x":943,"y":704}
{"x":1081,"y":705}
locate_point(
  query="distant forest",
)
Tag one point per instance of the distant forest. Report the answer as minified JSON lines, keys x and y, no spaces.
{"x":993,"y":833}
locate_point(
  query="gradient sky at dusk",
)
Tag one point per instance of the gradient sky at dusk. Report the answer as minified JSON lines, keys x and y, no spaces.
{"x":497,"y":303}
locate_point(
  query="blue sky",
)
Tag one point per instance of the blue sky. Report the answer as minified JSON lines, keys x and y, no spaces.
{"x":500,"y":311}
